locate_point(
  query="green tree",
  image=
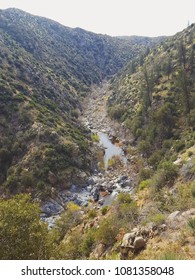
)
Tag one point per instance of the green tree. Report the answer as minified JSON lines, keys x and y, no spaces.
{"x":168,"y":67}
{"x":22,"y":235}
{"x":184,"y":85}
{"x":146,"y":89}
{"x":182,"y":54}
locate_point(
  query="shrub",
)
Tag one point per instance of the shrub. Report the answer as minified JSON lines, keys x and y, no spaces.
{"x":104,"y":210}
{"x":144,"y":147}
{"x":179,"y":146}
{"x":95,"y":137}
{"x":71,"y":248}
{"x":144,"y":184}
{"x":75,"y":113}
{"x":116,"y":112}
{"x":171,"y":256}
{"x":193,"y":189}
{"x":191,"y":224}
{"x":70,"y":218}
{"x":166,"y":174}
{"x":190,"y":153}
{"x":22,"y":235}
{"x":145,"y":173}
{"x":158,"y":219}
{"x":115,"y":161}
{"x":88,"y":243}
{"x":92,"y":213}
{"x":155,"y":158}
{"x":107,"y":231}
{"x":124,"y":198}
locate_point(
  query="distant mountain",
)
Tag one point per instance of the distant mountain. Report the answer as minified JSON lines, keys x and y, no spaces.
{"x":45,"y":68}
{"x":87,"y":56}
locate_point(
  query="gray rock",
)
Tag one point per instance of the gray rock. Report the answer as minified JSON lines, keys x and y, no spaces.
{"x":84,"y":204}
{"x":122,"y":178}
{"x":95,"y":193}
{"x":89,"y":188}
{"x":128,"y":239}
{"x":173,"y":215}
{"x":126,"y":183}
{"x":51,"y":208}
{"x":101,"y":201}
{"x":91,"y":181}
{"x":139,"y":243}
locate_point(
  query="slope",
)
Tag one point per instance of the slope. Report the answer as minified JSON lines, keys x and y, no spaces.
{"x":45,"y":70}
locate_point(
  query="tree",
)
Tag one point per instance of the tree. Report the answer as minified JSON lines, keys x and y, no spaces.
{"x":191,"y":62}
{"x":22,"y":235}
{"x":146,"y":89}
{"x":184,"y":84}
{"x":168,"y":67}
{"x":182,"y":54}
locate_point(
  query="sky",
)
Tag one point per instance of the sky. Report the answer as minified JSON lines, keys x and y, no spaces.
{"x":114,"y":17}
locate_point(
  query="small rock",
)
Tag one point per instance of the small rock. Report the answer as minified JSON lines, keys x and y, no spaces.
{"x":126,"y":183}
{"x":101,"y":201}
{"x":173,"y":215}
{"x":84,"y":204}
{"x":127,"y":239}
{"x":123,"y":178}
{"x":91,"y":181}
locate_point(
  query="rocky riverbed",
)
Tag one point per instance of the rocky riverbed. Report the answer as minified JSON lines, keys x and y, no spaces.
{"x":101,"y":188}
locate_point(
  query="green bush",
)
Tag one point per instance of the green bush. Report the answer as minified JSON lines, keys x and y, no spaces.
{"x":104,"y":210}
{"x":107,"y":231}
{"x":191,"y":224}
{"x":22,"y":235}
{"x":88,"y":243}
{"x":116,"y":112}
{"x":158,"y":219}
{"x":68,"y":219}
{"x":95,"y":137}
{"x":179,"y":146}
{"x":145,"y":173}
{"x":124,"y":198}
{"x":71,"y":248}
{"x":166,"y":174}
{"x":144,"y":147}
{"x":92,"y":213}
{"x":171,"y":256}
{"x":155,"y":158}
{"x":144,"y":184}
{"x":192,"y":187}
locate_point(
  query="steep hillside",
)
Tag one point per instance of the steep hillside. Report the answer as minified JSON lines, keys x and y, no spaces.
{"x":155,"y":98}
{"x":40,"y":136}
{"x":45,"y":70}
{"x":70,"y":52}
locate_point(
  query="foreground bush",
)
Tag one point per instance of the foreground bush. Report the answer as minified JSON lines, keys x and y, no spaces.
{"x":22,"y":235}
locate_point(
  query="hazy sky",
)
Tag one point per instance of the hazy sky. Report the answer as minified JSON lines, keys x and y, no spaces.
{"x":114,"y":17}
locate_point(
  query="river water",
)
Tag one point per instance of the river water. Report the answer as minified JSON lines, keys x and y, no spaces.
{"x":111,"y":149}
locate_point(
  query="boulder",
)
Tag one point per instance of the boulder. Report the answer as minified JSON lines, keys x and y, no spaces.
{"x":128,"y":239}
{"x":139,"y":243}
{"x":95,"y":193}
{"x":126,"y":183}
{"x":122,"y":178}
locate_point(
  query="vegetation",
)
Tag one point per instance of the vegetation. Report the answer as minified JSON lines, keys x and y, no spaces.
{"x":22,"y":235}
{"x":46,"y":70}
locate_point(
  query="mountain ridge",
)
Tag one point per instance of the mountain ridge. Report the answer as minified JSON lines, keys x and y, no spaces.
{"x":46,"y":69}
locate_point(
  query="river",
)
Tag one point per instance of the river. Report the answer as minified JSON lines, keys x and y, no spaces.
{"x":111,"y":149}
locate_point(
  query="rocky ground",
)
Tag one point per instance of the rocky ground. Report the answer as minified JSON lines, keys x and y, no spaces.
{"x":103,"y":186}
{"x":147,"y":241}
